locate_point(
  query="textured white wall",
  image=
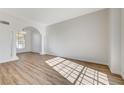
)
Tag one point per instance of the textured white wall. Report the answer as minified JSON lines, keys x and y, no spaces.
{"x":83,"y":38}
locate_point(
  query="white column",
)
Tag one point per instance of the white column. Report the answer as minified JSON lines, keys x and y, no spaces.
{"x":13,"y":50}
{"x":115,"y":41}
{"x":43,"y":42}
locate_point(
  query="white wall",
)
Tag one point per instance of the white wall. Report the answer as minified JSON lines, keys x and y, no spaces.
{"x":83,"y":38}
{"x":36,"y":42}
{"x":122,"y":44}
{"x":115,"y":40}
{"x":6,"y":42}
{"x":7,"y":39}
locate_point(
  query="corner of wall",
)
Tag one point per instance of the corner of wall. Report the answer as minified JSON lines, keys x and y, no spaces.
{"x":122,"y":77}
{"x":115,"y":71}
{"x":43,"y":53}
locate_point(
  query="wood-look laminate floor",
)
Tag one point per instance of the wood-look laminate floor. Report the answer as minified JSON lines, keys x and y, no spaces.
{"x":34,"y":69}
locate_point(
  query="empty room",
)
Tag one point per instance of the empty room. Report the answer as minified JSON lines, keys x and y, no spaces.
{"x":61,"y":46}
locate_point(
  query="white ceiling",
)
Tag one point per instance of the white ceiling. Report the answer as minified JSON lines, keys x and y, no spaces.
{"x":48,"y":15}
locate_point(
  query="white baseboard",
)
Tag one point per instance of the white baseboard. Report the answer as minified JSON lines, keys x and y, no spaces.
{"x":92,"y":61}
{"x":43,"y":53}
{"x":87,"y":60}
{"x":9,"y":60}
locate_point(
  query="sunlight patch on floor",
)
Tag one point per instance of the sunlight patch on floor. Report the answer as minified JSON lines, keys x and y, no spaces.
{"x":76,"y":73}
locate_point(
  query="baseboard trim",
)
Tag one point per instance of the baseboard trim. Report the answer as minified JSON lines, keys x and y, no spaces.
{"x":10,"y":59}
{"x":43,"y":53}
{"x":87,"y":60}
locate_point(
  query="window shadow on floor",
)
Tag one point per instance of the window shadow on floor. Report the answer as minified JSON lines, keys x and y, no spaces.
{"x":78,"y":74}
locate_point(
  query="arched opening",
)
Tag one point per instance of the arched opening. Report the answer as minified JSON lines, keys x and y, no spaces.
{"x":28,"y":40}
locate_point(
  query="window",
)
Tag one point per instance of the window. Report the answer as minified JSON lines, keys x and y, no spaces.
{"x":20,"y":40}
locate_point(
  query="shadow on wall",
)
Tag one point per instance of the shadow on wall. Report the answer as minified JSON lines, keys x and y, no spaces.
{"x":78,"y":74}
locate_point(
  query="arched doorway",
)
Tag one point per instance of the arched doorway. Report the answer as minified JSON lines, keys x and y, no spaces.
{"x":28,"y":40}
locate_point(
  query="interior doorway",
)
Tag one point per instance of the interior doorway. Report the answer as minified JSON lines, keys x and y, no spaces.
{"x":28,"y":40}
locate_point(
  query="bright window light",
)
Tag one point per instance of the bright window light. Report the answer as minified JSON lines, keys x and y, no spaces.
{"x":20,"y":40}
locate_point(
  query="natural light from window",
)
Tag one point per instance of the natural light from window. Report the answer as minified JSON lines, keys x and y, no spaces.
{"x":78,"y":74}
{"x":20,"y":40}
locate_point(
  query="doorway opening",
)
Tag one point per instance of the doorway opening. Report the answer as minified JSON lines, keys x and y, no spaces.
{"x":28,"y":40}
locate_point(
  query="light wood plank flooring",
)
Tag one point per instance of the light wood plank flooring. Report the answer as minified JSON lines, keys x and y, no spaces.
{"x":34,"y":69}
